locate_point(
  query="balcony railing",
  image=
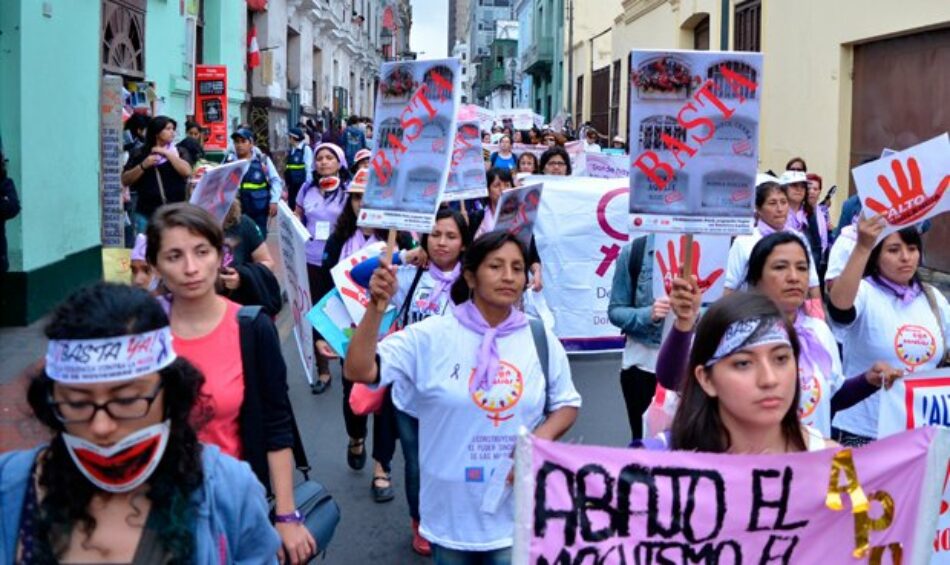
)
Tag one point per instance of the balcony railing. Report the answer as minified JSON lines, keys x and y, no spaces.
{"x":539,"y":56}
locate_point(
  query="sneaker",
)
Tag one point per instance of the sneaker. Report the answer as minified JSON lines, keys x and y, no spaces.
{"x":420,"y":544}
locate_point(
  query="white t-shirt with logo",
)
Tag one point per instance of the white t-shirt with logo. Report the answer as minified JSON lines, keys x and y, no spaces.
{"x":737,"y":265}
{"x":841,"y":251}
{"x":907,"y":337}
{"x":464,"y":437}
{"x":814,"y":407}
{"x":419,"y":309}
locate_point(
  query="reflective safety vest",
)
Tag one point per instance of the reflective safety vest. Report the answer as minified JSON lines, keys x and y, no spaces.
{"x":295,"y":172}
{"x":255,"y":178}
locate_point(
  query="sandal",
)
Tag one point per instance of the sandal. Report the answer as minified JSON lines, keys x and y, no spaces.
{"x":383,"y":493}
{"x":356,"y":459}
{"x":320,"y":385}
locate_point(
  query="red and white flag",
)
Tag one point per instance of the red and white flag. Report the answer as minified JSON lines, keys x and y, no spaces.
{"x":253,"y":50}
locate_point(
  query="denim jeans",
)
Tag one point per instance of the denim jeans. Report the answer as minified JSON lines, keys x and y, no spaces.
{"x":445,"y":556}
{"x":408,"y":428}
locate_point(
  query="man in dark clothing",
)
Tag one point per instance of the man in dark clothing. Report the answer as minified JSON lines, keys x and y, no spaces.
{"x":9,"y":208}
{"x":353,"y":138}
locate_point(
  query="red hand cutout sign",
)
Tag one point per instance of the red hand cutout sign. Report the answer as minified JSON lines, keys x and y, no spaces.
{"x":672,"y":267}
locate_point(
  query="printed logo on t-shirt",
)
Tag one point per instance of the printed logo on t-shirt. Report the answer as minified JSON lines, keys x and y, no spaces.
{"x":503,"y":394}
{"x":474,"y":474}
{"x":810,"y":393}
{"x":915,"y":345}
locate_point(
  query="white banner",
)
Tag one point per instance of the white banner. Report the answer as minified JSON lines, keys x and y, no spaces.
{"x":293,"y":239}
{"x":580,"y":230}
{"x":605,"y":166}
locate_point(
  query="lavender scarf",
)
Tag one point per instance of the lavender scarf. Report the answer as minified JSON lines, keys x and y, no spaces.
{"x":357,"y":242}
{"x":904,"y":293}
{"x":443,"y":282}
{"x":487,"y":361}
{"x":810,"y":348}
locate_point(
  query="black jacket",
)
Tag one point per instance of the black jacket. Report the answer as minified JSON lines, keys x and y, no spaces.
{"x":258,"y":287}
{"x":267,"y":418}
{"x":9,"y":208}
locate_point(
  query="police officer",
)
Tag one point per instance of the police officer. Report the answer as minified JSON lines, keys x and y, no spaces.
{"x":299,"y":167}
{"x":261,"y":186}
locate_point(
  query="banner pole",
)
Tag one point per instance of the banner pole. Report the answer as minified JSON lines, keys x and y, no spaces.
{"x":385,"y":260}
{"x":687,"y":267}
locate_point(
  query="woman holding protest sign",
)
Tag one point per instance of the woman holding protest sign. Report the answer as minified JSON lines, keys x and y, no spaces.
{"x":880,"y":309}
{"x":422,"y":291}
{"x":477,"y":378}
{"x":319,"y":205}
{"x":778,"y":268}
{"x":124,"y":478}
{"x":771,"y":212}
{"x":348,"y":238}
{"x":253,"y":418}
{"x":740,"y":391}
{"x":483,"y":221}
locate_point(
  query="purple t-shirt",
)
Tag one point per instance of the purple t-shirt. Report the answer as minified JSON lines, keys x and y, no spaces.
{"x":321,"y":210}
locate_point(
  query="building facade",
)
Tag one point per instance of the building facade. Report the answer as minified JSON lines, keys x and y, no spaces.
{"x":458,"y":22}
{"x":483,"y":15}
{"x":836,"y":88}
{"x":588,"y":79}
{"x":542,"y":55}
{"x":460,"y":52}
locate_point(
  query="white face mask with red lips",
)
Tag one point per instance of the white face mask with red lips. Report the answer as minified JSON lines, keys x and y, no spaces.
{"x":122,"y":467}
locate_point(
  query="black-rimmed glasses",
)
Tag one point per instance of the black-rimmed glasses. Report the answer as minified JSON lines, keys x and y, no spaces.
{"x":131,"y":408}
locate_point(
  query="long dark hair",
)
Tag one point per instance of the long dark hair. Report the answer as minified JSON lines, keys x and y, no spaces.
{"x":346,"y":224}
{"x":476,"y":254}
{"x":107,"y":310}
{"x":764,"y":247}
{"x":460,"y":222}
{"x":697,"y":425}
{"x":155,"y":127}
{"x":910,"y":236}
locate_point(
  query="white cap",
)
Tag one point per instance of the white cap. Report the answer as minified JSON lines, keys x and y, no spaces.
{"x":762,"y":178}
{"x":792,"y":177}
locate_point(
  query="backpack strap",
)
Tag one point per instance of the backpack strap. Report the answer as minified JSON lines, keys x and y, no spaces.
{"x":540,"y":338}
{"x":637,"y":250}
{"x":403,"y":315}
{"x":246,"y":317}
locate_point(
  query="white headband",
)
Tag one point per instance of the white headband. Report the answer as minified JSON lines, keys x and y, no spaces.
{"x":110,"y":358}
{"x":750,"y":333}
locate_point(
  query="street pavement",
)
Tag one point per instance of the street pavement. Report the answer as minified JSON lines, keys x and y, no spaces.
{"x":380,"y":533}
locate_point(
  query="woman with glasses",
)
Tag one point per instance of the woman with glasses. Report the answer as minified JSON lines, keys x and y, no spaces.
{"x":124,"y":478}
{"x":555,"y":161}
{"x":252,"y":417}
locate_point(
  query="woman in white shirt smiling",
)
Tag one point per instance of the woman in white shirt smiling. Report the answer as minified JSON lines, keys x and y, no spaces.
{"x":477,"y":380}
{"x":881,"y":310}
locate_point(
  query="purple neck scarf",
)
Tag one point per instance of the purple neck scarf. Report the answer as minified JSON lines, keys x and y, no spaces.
{"x":161,"y":158}
{"x":765,"y":229}
{"x":488,"y":222}
{"x":356,"y":242}
{"x":905,"y":293}
{"x":487,"y":361}
{"x":796,"y":220}
{"x":810,"y":348}
{"x":443,"y":282}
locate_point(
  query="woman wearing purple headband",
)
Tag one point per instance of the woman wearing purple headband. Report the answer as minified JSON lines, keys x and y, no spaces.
{"x":124,"y":478}
{"x":740,"y":391}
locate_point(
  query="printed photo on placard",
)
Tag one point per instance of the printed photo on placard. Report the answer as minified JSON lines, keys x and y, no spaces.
{"x":415,"y":130}
{"x":218,"y":187}
{"x":693,"y":140}
{"x":467,"y":174}
{"x":518,"y":210}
